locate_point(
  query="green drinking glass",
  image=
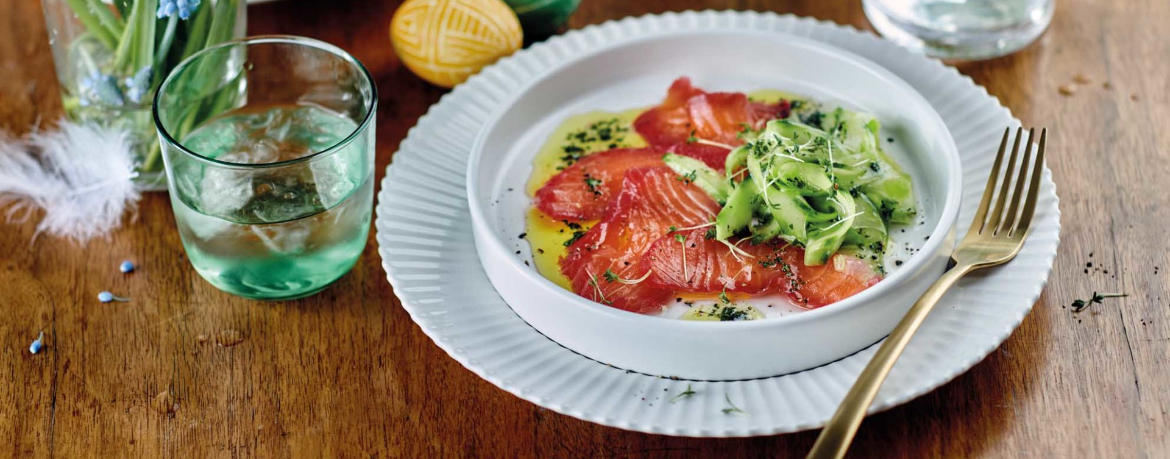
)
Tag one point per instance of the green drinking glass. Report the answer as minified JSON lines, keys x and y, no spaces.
{"x":268,"y":144}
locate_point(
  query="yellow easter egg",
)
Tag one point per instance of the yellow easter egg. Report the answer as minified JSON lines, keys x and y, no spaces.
{"x":447,"y":41}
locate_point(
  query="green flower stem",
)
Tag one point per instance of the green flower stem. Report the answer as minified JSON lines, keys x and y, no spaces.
{"x":123,"y":7}
{"x":146,"y":27}
{"x":126,"y":41}
{"x":136,"y":47}
{"x":82,"y":9}
{"x":164,"y":47}
{"x":106,"y":17}
{"x":151,"y":158}
{"x":197,"y":26}
{"x":70,"y":104}
{"x":89,"y":62}
{"x":217,"y":26}
{"x":223,"y":22}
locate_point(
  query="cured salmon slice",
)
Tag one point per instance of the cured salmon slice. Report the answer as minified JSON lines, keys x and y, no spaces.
{"x":713,"y":156}
{"x":689,"y":114}
{"x":710,"y":267}
{"x":669,"y":123}
{"x":603,"y":265}
{"x":841,"y":278}
{"x":582,"y":191}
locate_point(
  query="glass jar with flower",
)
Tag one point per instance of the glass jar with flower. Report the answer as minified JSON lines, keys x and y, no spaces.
{"x":111,"y":55}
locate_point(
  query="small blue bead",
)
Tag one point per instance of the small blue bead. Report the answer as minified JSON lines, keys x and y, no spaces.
{"x":105,"y":297}
{"x":126,"y":266}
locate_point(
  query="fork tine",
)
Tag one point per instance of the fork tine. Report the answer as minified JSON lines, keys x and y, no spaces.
{"x":993,"y":220}
{"x":989,"y":190}
{"x":1033,"y":188}
{"x":1018,"y":193}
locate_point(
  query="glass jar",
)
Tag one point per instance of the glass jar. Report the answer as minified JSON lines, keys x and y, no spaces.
{"x":111,"y":56}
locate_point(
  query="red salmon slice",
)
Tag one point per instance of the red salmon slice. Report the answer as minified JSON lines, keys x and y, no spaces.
{"x":669,"y":123}
{"x":713,"y":156}
{"x":842,"y":277}
{"x":582,"y":191}
{"x":716,"y":117}
{"x":651,"y":200}
{"x":711,"y":267}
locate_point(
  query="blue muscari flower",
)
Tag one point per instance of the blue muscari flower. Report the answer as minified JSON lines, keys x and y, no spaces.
{"x":106,"y":297}
{"x":100,"y":88}
{"x":167,"y":8}
{"x":36,"y":346}
{"x":138,"y":85}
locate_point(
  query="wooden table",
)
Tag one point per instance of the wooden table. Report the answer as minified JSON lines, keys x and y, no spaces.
{"x":347,"y":374}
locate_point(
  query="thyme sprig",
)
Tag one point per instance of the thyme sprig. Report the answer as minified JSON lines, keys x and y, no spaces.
{"x":1080,"y":305}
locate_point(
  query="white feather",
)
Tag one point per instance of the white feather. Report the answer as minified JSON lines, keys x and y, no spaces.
{"x":81,"y":176}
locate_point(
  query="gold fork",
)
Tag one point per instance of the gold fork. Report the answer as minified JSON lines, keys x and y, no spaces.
{"x":993,"y":239}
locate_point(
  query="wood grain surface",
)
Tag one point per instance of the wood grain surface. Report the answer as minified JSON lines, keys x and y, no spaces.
{"x":347,"y":374}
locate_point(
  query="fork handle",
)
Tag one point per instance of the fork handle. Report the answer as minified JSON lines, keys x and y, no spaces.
{"x":838,"y":433}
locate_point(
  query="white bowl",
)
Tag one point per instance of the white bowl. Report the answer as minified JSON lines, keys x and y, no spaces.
{"x":636,"y":74}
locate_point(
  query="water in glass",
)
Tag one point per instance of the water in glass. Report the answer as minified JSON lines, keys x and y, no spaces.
{"x":280,"y":231}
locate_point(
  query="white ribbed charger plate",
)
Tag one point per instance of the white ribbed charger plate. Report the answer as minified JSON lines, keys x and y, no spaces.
{"x":424,"y":237}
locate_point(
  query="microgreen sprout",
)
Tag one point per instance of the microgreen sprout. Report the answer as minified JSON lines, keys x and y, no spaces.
{"x":712,"y":143}
{"x":126,"y":266}
{"x":732,"y":409}
{"x":684,"y":394}
{"x":36,"y":345}
{"x":843,"y":220}
{"x":832,"y":176}
{"x":736,"y":252}
{"x":694,"y":227}
{"x":612,"y":277}
{"x":597,"y":287}
{"x":682,"y":240}
{"x":106,"y":297}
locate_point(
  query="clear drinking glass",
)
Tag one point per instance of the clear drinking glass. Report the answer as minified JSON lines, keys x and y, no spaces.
{"x":268,"y":144}
{"x":961,"y":29}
